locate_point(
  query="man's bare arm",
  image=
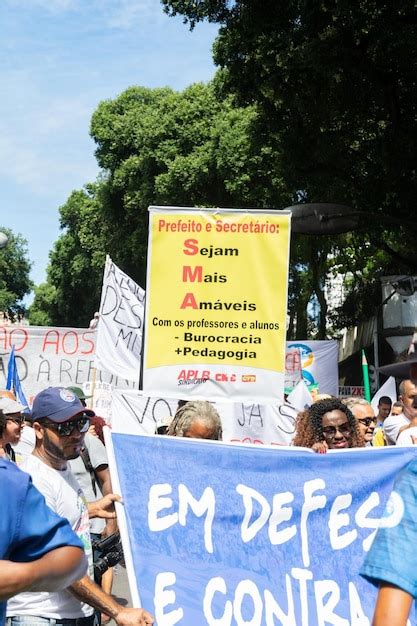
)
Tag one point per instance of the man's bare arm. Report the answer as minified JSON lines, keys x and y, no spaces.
{"x":103,"y":474}
{"x":104,"y":507}
{"x":55,"y":570}
{"x":87,"y":591}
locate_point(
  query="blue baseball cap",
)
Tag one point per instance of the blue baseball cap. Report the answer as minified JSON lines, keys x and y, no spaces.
{"x":58,"y":404}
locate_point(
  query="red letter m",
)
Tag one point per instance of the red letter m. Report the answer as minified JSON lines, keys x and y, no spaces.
{"x":189,"y":275}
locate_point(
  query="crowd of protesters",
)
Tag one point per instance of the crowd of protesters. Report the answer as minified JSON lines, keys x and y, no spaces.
{"x":63,"y":451}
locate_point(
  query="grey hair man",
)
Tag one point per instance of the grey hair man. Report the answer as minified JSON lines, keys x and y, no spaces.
{"x":365,"y":416}
{"x":196,"y":419}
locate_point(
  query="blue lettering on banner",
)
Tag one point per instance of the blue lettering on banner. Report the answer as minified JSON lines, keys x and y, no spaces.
{"x":244,"y":535}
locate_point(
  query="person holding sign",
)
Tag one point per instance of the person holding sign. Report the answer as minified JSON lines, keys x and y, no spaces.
{"x":327,"y":425}
{"x":60,"y":422}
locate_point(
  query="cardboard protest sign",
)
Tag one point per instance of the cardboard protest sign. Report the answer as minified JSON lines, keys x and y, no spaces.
{"x":216,"y":303}
{"x":100,"y":399}
{"x":134,"y":413}
{"x":120,"y":326}
{"x":233,"y":535}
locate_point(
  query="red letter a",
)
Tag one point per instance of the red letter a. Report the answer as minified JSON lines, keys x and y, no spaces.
{"x":189,"y":301}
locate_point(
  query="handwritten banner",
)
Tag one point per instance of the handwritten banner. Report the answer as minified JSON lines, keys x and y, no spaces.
{"x":134,"y":413}
{"x":236,"y":535}
{"x":51,"y":356}
{"x":120,"y":326}
{"x":216,"y":303}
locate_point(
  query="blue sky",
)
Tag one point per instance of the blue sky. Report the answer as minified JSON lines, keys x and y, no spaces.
{"x":58,"y":60}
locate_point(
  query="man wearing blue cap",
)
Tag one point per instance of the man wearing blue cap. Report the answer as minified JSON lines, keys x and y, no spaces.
{"x":60,"y":422}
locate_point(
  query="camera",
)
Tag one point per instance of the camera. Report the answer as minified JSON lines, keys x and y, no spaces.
{"x":109,"y":552}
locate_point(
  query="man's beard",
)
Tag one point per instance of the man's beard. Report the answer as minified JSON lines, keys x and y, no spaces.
{"x":56,"y":451}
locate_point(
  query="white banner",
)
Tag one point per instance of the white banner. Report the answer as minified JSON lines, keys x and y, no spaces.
{"x":388,"y":389}
{"x":134,"y":413}
{"x":319,"y":364}
{"x":300,"y":397}
{"x":51,"y":356}
{"x":120,"y":326}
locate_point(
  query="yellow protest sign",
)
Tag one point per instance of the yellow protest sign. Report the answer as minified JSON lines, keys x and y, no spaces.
{"x":216,"y":303}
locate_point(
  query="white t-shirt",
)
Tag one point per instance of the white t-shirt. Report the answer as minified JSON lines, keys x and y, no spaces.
{"x":64,"y":496}
{"x":392,"y":426}
{"x":404,"y":438}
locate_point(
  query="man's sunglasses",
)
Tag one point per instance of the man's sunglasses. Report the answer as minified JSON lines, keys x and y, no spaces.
{"x":367,"y":421}
{"x":65,"y":429}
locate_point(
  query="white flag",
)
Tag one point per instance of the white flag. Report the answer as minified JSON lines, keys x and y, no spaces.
{"x":300,"y":397}
{"x":388,"y":389}
{"x":120,"y":327}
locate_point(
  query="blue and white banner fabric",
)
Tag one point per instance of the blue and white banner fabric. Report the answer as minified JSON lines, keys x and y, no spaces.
{"x":226,"y":534}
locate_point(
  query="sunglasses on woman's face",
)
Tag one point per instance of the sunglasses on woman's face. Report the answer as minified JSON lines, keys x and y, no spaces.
{"x":17,"y":419}
{"x":67,"y":428}
{"x":330,"y":432}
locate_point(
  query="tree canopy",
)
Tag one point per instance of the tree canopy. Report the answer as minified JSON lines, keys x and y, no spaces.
{"x":15,"y":282}
{"x":155,"y":147}
{"x":334,"y":85}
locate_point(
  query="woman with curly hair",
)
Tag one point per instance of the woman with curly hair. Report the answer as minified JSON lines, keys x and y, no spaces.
{"x":327,"y":425}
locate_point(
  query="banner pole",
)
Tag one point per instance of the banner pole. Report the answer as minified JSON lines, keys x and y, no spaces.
{"x":121,"y":520}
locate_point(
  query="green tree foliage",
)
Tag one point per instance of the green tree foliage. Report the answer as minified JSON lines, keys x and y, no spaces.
{"x":15,"y":266}
{"x":178,"y":148}
{"x":155,"y":147}
{"x":74,"y":276}
{"x":334,"y":84}
{"x":42,"y":309}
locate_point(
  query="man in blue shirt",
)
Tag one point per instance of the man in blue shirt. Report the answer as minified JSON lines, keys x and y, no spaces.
{"x":38,"y":549}
{"x":392,"y":560}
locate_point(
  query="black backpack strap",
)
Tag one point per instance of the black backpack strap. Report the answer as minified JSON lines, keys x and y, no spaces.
{"x":84,"y":454}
